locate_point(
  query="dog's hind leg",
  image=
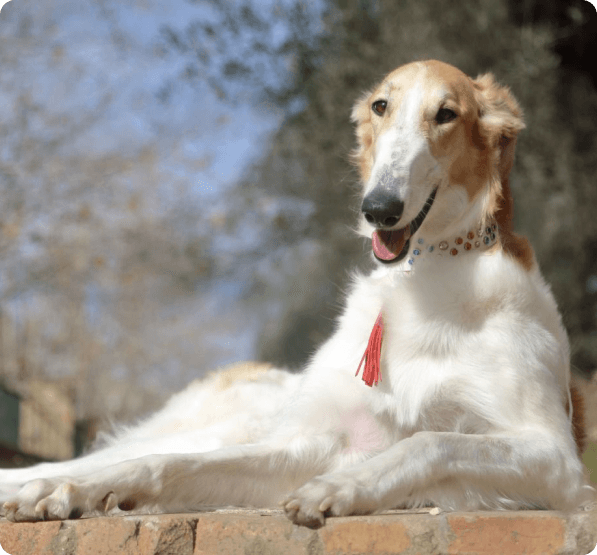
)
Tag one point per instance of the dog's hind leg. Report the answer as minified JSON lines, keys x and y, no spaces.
{"x":216,"y":412}
{"x":244,"y":475}
{"x":12,"y":480}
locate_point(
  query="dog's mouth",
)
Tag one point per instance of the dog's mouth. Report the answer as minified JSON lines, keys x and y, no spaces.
{"x":392,"y":246}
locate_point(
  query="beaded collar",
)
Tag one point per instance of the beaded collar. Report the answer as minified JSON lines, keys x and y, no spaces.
{"x":480,"y":240}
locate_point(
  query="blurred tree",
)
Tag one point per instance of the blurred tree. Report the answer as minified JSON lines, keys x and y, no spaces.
{"x":245,"y":49}
{"x":566,"y":230}
{"x":99,"y":236}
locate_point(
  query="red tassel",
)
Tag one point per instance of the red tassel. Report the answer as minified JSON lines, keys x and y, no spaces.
{"x":372,"y":355}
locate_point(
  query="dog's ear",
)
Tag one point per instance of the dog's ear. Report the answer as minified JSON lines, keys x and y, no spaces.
{"x":361,"y":155}
{"x":500,"y":114}
{"x":500,"y":121}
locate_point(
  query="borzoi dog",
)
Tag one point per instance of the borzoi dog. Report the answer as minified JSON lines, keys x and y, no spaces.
{"x":462,"y":398}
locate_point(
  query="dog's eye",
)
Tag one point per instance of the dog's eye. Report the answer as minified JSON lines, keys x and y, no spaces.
{"x":444,"y":115}
{"x":379,"y":107}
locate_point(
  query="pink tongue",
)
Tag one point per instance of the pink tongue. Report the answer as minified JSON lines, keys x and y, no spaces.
{"x":387,"y":245}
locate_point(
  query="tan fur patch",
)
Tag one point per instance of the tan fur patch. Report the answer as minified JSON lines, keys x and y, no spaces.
{"x":578,"y":419}
{"x":462,"y":143}
{"x":249,"y":371}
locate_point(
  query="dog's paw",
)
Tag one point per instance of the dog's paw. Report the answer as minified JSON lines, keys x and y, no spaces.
{"x":329,"y":495}
{"x":22,"y":507}
{"x":7,"y":491}
{"x":59,"y":499}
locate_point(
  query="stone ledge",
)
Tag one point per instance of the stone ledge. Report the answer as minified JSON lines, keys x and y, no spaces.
{"x":266,"y":532}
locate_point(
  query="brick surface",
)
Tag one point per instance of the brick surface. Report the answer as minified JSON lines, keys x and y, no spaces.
{"x":518,"y":534}
{"x":29,"y":539}
{"x":361,"y":536}
{"x":246,"y":532}
{"x":261,"y":533}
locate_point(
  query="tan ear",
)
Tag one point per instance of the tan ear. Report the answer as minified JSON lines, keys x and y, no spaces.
{"x":500,"y":114}
{"x":500,"y":121}
{"x":361,"y":155}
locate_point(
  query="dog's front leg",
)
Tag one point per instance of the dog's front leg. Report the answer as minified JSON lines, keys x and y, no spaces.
{"x":251,"y":475}
{"x":453,"y":471}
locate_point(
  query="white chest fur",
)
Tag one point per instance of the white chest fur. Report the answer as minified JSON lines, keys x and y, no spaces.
{"x":465,"y":341}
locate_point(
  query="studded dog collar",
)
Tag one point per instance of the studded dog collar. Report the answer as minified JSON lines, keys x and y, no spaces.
{"x":479,"y":240}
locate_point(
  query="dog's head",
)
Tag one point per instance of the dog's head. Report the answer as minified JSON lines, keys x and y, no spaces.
{"x":435,"y":148}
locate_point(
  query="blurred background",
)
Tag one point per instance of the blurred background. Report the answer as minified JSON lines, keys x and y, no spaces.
{"x":176,"y":195}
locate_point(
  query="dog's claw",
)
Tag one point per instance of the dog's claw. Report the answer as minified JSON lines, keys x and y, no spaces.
{"x":108,"y":502}
{"x":326,"y":504}
{"x":292,"y":505}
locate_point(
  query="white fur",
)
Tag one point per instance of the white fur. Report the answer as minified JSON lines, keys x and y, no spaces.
{"x":402,"y":154}
{"x":470,"y":413}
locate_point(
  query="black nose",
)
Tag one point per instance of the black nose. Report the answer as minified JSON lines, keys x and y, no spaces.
{"x":382,"y":208}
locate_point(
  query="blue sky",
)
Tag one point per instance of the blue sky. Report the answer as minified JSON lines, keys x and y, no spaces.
{"x":95,"y":66}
